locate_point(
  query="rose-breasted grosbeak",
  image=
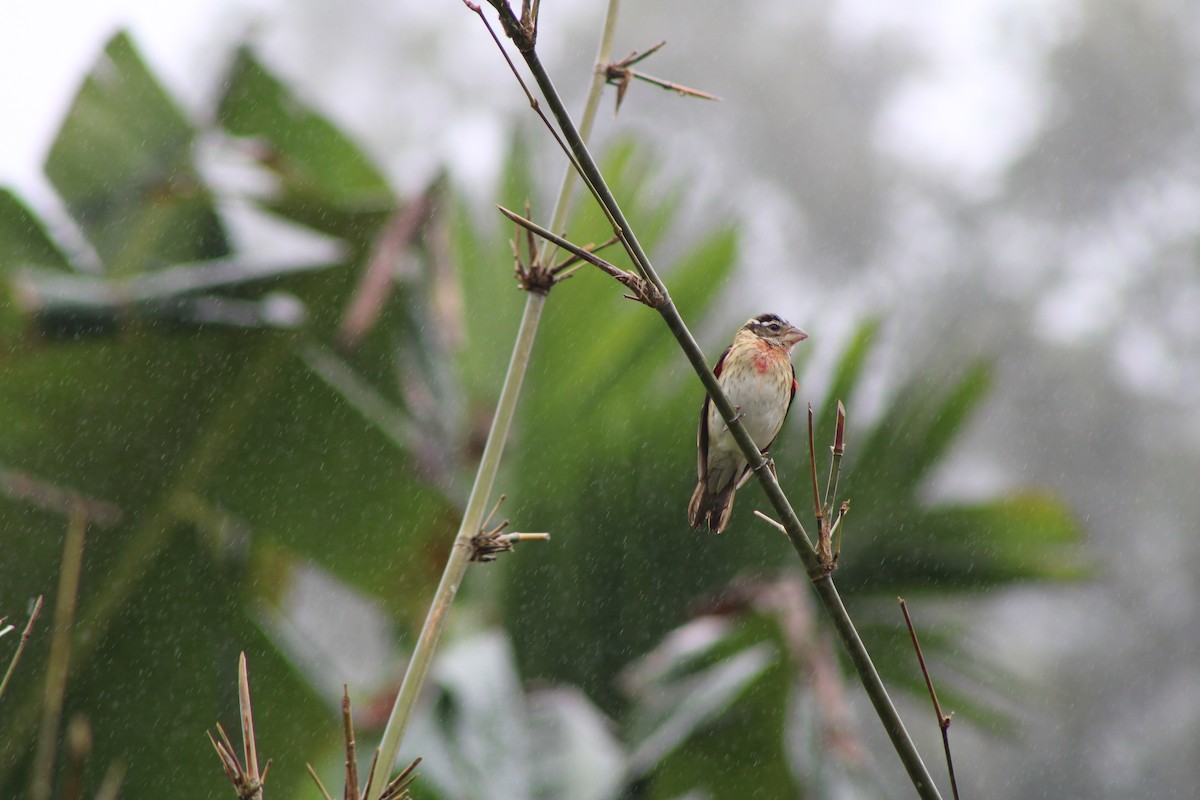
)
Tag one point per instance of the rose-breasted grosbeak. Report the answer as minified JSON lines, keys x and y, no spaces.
{"x":757,"y":376}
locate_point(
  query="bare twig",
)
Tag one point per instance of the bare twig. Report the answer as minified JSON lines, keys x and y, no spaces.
{"x":835,"y":466}
{"x":533,"y":102}
{"x":620,"y":74}
{"x":244,"y":775}
{"x":317,"y":780}
{"x":943,"y":719}
{"x":824,"y":550}
{"x":645,"y":292}
{"x":351,"y":758}
{"x":396,"y":789}
{"x":12,"y":664}
{"x":561,"y":269}
{"x":249,"y":742}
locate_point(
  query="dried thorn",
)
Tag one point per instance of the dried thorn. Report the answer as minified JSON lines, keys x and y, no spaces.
{"x":25,"y":634}
{"x":839,"y":436}
{"x":398,"y":788}
{"x":371,"y":773}
{"x":620,"y":75}
{"x":492,"y":513}
{"x":670,"y":86}
{"x":777,"y":525}
{"x":525,"y":537}
{"x":351,"y":755}
{"x":574,"y":259}
{"x":313,"y":773}
{"x":812,"y":461}
{"x":633,"y":282}
{"x":943,"y":719}
{"x":250,"y":746}
{"x":635,"y":56}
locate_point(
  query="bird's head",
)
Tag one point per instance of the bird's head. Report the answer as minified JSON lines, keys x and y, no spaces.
{"x":775,"y":330}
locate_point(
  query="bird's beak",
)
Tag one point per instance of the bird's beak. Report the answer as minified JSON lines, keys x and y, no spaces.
{"x":793,"y":335}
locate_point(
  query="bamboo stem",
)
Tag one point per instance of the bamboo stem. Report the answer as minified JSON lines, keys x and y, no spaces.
{"x":460,"y":553}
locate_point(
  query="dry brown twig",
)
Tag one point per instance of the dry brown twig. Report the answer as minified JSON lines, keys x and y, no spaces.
{"x":396,"y":789}
{"x":490,"y":542}
{"x":244,"y":775}
{"x":12,"y":664}
{"x":943,"y":719}
{"x":643,"y":290}
{"x":828,"y":523}
{"x":620,"y":74}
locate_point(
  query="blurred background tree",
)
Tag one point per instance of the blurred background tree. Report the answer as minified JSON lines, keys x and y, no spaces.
{"x":180,"y":344}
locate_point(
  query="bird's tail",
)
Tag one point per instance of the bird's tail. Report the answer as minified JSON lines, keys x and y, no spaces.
{"x":711,"y":508}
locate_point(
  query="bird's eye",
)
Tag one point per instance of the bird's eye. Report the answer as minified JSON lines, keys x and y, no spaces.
{"x":774,"y":326}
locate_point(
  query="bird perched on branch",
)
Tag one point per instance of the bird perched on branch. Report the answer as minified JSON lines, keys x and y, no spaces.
{"x":757,"y":376}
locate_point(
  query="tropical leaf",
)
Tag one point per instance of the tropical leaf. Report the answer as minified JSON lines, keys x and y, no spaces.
{"x":123,"y":164}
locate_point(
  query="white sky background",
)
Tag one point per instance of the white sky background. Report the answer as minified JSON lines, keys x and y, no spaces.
{"x":965,"y":117}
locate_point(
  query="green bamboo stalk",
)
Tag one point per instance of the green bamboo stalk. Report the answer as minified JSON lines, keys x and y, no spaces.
{"x":822,"y":581}
{"x":489,"y":464}
{"x":460,"y":553}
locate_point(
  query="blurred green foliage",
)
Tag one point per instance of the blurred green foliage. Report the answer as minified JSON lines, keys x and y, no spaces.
{"x":152,"y":369}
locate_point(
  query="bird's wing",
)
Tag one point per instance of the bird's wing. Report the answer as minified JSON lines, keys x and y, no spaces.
{"x":702,"y":432}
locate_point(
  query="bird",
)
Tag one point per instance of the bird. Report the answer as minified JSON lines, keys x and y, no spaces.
{"x":757,"y":375}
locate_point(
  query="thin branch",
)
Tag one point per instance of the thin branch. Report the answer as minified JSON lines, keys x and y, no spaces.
{"x":620,"y":74}
{"x":835,"y":466}
{"x":677,"y":88}
{"x":351,"y":757}
{"x":533,"y":103}
{"x":644,"y":291}
{"x":773,"y":523}
{"x":317,"y":780}
{"x":12,"y":665}
{"x":943,"y":719}
{"x":249,"y":744}
{"x":561,"y":269}
{"x":244,"y":776}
